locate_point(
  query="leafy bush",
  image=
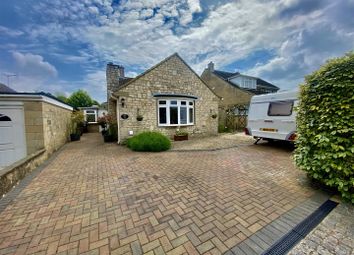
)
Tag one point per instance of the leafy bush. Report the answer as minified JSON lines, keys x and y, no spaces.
{"x":149,"y":141}
{"x":325,"y":119}
{"x":77,"y":117}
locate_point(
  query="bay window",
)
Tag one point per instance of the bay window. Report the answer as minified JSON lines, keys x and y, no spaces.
{"x":175,"y":112}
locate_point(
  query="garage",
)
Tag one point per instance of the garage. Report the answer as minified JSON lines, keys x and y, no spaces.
{"x":12,"y":133}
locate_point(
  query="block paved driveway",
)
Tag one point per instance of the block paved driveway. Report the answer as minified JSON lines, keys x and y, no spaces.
{"x":102,"y":198}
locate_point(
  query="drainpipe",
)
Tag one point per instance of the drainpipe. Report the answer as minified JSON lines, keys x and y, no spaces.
{"x":118,"y":114}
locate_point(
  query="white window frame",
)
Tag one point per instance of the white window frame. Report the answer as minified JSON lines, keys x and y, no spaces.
{"x":179,"y":105}
{"x":249,"y":83}
{"x":86,"y":113}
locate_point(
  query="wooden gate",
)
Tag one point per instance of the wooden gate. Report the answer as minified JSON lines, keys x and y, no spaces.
{"x":236,"y":117}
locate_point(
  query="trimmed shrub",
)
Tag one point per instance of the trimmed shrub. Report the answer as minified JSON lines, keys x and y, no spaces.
{"x":325,"y":119}
{"x":149,"y":141}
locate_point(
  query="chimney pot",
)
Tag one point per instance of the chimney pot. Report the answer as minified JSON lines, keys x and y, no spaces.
{"x":211,"y":66}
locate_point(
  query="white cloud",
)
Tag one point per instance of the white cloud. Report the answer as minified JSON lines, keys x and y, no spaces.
{"x":34,"y":65}
{"x":93,"y":10}
{"x":194,"y":6}
{"x":10,"y":32}
{"x":300,"y":34}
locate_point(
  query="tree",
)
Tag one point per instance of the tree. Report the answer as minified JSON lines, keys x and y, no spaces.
{"x":80,"y":98}
{"x":61,"y":97}
{"x":325,"y":125}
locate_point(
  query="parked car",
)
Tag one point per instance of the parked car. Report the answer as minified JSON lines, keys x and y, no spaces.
{"x":272,"y":116}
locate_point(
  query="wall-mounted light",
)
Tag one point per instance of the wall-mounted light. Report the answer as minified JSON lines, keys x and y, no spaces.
{"x":122,"y":102}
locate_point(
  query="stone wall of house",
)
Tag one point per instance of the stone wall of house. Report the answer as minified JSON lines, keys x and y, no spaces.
{"x":56,"y":126}
{"x":171,"y":76}
{"x":230,"y":94}
{"x":33,"y":126}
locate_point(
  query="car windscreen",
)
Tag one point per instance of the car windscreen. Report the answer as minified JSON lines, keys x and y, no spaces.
{"x":280,"y":108}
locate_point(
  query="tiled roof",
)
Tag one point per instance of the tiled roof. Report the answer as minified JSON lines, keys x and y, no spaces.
{"x":224,"y":75}
{"x":264,"y":83}
{"x":6,"y":89}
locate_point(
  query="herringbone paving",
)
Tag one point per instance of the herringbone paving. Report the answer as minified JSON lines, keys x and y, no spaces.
{"x":97,"y":198}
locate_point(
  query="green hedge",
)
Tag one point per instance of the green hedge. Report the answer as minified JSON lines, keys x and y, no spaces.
{"x":149,"y":141}
{"x":325,"y":119}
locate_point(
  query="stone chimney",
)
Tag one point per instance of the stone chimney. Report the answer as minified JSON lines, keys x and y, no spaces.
{"x":211,"y":67}
{"x":113,"y":74}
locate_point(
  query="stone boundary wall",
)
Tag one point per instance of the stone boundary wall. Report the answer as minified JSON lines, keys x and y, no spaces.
{"x":10,"y":175}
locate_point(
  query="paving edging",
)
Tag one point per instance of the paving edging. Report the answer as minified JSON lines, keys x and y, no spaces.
{"x":201,"y":150}
{"x":264,"y":238}
{"x":15,"y":190}
{"x":12,"y":174}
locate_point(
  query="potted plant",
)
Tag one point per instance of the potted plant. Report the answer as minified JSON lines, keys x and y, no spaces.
{"x":77,"y":117}
{"x":111,"y":133}
{"x":102,"y":121}
{"x":139,"y":118}
{"x":180,"y":135}
{"x":213,"y":114}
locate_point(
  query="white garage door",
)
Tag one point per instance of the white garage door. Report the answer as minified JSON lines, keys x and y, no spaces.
{"x":12,"y":134}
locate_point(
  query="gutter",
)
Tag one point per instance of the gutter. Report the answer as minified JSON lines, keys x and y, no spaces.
{"x":118,"y":114}
{"x":38,"y":98}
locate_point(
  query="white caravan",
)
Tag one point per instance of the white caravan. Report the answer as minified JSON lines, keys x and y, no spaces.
{"x":272,"y":116}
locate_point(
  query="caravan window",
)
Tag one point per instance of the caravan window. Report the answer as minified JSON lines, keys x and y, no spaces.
{"x":280,"y":108}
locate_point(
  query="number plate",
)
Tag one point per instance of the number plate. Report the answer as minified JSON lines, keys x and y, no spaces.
{"x":269,"y":129}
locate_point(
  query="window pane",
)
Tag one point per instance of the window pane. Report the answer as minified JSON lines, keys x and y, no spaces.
{"x":173,"y":102}
{"x":283,"y":108}
{"x":191,"y":117}
{"x":183,"y":115}
{"x":90,"y":111}
{"x":4,"y":118}
{"x":173,"y":115}
{"x":190,"y":103}
{"x":90,"y":117}
{"x":183,"y":102}
{"x":162,"y":102}
{"x":162,"y":115}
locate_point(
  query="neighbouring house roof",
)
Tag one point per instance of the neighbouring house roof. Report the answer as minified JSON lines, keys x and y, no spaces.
{"x":157,"y":65}
{"x":226,"y":76}
{"x":6,"y":89}
{"x":40,"y":95}
{"x":265,"y":83}
{"x":93,"y":107}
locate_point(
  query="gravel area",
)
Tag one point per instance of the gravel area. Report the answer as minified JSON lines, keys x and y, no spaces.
{"x":334,"y":235}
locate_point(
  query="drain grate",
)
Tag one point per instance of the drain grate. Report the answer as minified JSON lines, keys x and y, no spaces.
{"x":283,"y":245}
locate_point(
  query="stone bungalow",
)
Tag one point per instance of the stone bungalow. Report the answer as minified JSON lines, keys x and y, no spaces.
{"x":167,"y":96}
